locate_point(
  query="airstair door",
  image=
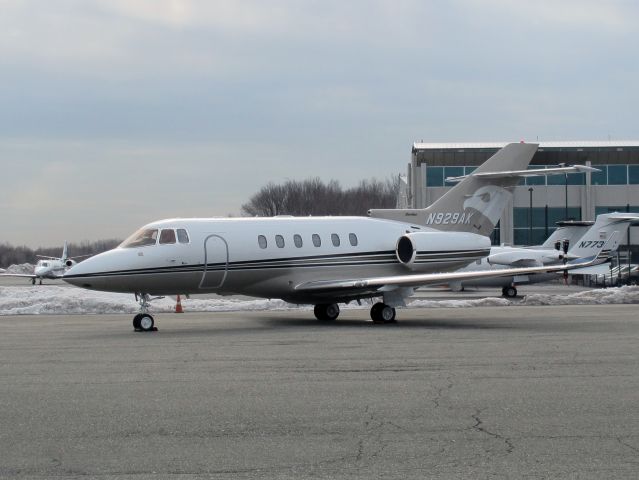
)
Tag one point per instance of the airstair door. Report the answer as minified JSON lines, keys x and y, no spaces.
{"x":216,"y":262}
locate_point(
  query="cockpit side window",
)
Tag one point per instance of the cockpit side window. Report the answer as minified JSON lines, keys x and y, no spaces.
{"x":183,"y":235}
{"x":142,"y":238}
{"x":167,"y":236}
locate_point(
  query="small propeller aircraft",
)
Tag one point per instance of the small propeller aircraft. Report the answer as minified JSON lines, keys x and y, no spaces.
{"x":49,"y":267}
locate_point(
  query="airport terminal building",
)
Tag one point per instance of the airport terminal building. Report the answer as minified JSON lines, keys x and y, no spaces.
{"x":545,"y":200}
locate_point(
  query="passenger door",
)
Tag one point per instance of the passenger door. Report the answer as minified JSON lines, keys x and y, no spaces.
{"x":216,"y":261}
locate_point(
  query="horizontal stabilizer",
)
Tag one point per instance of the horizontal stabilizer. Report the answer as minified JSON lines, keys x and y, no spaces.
{"x":537,"y":172}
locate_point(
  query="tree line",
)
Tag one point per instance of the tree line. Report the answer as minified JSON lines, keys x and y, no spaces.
{"x":315,"y":197}
{"x":10,"y":255}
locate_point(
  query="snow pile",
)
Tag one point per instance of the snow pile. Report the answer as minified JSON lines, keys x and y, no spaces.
{"x":475,"y":302}
{"x":50,"y":299}
{"x":22,"y":269}
{"x":626,"y":294}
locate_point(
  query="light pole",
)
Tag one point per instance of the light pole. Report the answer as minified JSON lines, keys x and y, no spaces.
{"x":530,"y":216}
{"x":566,"y":191}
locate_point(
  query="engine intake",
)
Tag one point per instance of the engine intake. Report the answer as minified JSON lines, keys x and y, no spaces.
{"x":440,"y":250}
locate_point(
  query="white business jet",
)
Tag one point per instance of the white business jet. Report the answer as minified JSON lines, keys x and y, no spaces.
{"x":554,"y":250}
{"x":48,"y":267}
{"x":322,"y":261}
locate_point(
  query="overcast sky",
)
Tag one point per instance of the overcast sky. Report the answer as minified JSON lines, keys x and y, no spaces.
{"x":115,"y":113}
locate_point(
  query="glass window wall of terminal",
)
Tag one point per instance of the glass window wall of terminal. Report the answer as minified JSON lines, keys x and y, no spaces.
{"x":617,"y":208}
{"x":544,"y":220}
{"x":609,"y":175}
{"x":436,"y":176}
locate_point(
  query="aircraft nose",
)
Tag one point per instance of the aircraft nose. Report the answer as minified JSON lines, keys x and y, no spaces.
{"x":80,"y":272}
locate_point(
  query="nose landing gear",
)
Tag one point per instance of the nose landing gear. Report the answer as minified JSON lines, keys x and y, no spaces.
{"x":143,"y":321}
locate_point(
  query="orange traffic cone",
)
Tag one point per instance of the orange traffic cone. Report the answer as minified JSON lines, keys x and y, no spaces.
{"x":178,"y":305}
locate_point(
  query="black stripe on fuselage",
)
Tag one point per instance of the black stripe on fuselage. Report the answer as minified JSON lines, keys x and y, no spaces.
{"x":341,"y":260}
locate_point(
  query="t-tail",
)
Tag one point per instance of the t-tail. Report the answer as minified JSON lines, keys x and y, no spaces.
{"x":478,"y":201}
{"x":65,"y":253}
{"x":599,"y":235}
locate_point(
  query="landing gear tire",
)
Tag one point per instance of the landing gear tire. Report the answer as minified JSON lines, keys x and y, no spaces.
{"x":326,"y":311}
{"x":382,"y":313}
{"x":144,"y":322}
{"x":509,"y":292}
{"x":33,"y":280}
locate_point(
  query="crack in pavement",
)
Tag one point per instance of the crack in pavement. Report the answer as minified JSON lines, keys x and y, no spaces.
{"x":479,"y":427}
{"x":440,"y":392}
{"x":625,"y":444}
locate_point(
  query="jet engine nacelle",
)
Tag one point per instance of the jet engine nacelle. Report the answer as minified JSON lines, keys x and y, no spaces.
{"x":526,"y":257}
{"x":425,"y":250}
{"x":69,"y":263}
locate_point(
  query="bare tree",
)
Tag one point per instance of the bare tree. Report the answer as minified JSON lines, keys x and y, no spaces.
{"x":314,"y":197}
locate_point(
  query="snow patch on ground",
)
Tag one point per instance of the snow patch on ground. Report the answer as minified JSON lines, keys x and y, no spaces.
{"x":626,"y":294}
{"x":475,"y":302}
{"x":50,"y":299}
{"x":21,"y":269}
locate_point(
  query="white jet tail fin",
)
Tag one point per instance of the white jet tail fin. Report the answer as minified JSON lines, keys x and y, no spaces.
{"x":600,"y":234}
{"x":65,"y":253}
{"x":476,"y":203}
{"x":569,"y":233}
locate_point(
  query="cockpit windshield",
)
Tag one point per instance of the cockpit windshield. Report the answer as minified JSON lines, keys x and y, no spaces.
{"x":142,"y":238}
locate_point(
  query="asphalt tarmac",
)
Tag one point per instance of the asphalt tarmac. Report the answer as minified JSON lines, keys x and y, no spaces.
{"x":509,"y":392}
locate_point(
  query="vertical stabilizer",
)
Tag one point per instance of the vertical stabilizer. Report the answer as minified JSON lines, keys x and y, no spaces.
{"x":597,"y":236}
{"x":567,"y":233}
{"x":65,"y":253}
{"x":476,"y":203}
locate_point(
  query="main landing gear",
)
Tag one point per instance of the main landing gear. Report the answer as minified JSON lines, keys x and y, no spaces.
{"x":143,"y":321}
{"x":509,"y":292}
{"x":326,"y":311}
{"x":382,"y":313}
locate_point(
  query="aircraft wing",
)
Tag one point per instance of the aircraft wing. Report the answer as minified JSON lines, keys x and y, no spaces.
{"x":360,"y":286}
{"x":594,"y":270}
{"x":24,"y":275}
{"x":389,"y":283}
